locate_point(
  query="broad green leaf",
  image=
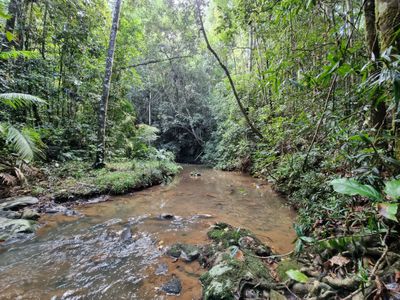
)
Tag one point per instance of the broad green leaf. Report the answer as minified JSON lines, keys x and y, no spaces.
{"x":9,"y":36}
{"x":351,"y":187}
{"x":388,"y":210}
{"x":392,"y":189}
{"x":297,"y":275}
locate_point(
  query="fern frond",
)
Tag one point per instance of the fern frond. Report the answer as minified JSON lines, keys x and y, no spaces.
{"x":19,"y":100}
{"x":25,"y":143}
{"x":8,"y":179}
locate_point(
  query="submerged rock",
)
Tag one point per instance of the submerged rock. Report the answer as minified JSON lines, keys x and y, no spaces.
{"x":59,"y":209}
{"x":172,"y":287}
{"x":162,"y":269}
{"x":126,"y":234}
{"x":10,"y":227}
{"x":16,"y":203}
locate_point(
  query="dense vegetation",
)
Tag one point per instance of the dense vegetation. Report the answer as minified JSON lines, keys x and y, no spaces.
{"x":296,"y":92}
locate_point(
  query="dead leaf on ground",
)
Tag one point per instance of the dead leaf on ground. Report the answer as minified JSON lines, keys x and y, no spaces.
{"x":339,"y":260}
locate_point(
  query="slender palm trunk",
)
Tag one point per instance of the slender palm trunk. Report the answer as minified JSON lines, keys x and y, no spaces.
{"x":101,"y":134}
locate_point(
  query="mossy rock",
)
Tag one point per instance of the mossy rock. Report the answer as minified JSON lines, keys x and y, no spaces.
{"x":187,"y":252}
{"x":227,"y":235}
{"x":222,"y":280}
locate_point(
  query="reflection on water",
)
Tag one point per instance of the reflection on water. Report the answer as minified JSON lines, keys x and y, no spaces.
{"x":113,"y":250}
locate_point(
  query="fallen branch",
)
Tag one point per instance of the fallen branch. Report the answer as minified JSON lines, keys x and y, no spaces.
{"x":155,"y":61}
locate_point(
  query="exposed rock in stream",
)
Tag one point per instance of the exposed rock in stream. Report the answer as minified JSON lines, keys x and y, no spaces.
{"x":11,"y":227}
{"x":16,"y":203}
{"x":166,"y":216}
{"x":13,"y":220}
{"x":172,"y":287}
{"x":186,"y":252}
{"x":235,"y":270}
{"x":30,"y":214}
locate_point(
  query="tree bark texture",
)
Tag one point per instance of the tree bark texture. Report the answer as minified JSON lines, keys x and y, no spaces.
{"x":101,"y":134}
{"x":378,"y":108}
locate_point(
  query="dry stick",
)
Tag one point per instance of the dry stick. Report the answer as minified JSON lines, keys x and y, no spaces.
{"x":227,"y":73}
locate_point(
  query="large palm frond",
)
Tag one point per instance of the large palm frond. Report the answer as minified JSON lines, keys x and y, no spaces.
{"x":26,"y":143}
{"x":19,"y":100}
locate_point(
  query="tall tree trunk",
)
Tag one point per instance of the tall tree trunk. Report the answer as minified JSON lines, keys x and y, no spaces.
{"x":101,"y":134}
{"x":388,"y":13}
{"x":378,"y":108}
{"x":44,"y":33}
{"x":10,"y":23}
{"x":388,"y":20}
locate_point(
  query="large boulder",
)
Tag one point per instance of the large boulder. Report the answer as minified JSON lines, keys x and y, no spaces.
{"x":11,"y":227}
{"x":16,"y":203}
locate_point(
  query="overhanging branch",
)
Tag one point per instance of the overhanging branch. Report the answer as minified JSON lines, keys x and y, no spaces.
{"x":155,"y":61}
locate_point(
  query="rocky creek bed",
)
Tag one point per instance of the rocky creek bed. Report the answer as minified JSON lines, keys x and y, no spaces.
{"x":234,"y":263}
{"x":134,"y":247}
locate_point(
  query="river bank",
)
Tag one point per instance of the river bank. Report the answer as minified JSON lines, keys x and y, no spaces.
{"x":58,"y":188}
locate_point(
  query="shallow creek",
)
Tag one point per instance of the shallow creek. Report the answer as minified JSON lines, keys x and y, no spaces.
{"x":93,"y":256}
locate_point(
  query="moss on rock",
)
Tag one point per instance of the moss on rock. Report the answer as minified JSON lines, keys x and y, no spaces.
{"x":229,"y":269}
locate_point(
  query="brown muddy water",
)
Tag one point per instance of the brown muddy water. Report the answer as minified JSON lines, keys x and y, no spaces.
{"x":91,"y":257}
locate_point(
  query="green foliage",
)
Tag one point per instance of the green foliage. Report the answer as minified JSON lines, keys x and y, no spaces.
{"x":392,"y":189}
{"x":297,"y":276}
{"x":18,"y":100}
{"x":26,"y":143}
{"x":352,"y":187}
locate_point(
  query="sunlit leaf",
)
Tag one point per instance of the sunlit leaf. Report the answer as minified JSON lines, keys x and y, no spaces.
{"x":388,"y":210}
{"x":297,"y":276}
{"x":351,"y":187}
{"x":392,"y":189}
{"x":9,"y":36}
